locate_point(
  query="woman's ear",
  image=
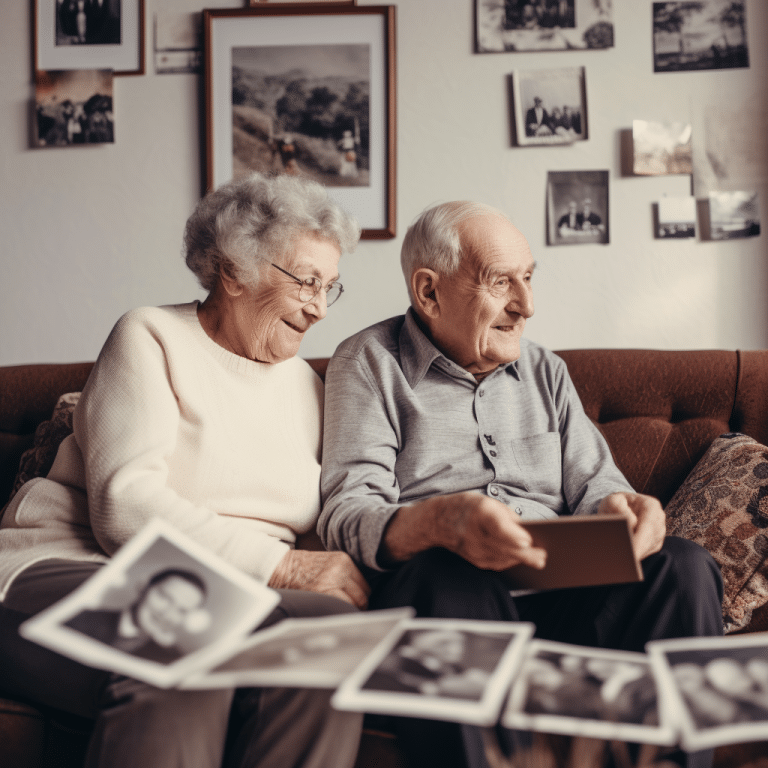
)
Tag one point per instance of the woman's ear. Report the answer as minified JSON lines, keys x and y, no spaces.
{"x":229,"y":283}
{"x":423,"y":287}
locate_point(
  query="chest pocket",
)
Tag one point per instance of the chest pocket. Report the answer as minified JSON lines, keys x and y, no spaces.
{"x":539,"y":459}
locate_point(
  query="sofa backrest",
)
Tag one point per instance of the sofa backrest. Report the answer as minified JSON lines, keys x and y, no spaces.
{"x":659,"y":410}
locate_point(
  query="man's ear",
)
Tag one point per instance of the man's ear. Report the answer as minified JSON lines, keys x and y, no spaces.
{"x":229,"y":283}
{"x":424,"y":289}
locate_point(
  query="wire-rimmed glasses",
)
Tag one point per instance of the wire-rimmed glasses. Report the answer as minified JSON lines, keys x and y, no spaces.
{"x":309,"y":287}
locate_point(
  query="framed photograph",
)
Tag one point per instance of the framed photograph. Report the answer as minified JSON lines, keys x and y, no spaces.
{"x":661,"y":149}
{"x":310,"y":90}
{"x":582,"y":691}
{"x":305,"y":653}
{"x":533,"y":25}
{"x":162,"y":608}
{"x":550,"y":106}
{"x":717,"y":687}
{"x":89,"y":34}
{"x":577,"y":207}
{"x":457,"y":670}
{"x":73,"y":107}
{"x":733,"y":215}
{"x":709,"y":34}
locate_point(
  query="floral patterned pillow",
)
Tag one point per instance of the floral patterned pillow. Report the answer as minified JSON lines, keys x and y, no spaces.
{"x":723,"y":506}
{"x":38,"y":460}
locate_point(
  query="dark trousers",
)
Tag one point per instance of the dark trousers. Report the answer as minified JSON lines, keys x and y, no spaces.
{"x":680,"y":596}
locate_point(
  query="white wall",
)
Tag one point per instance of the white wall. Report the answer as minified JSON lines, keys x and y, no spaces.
{"x":89,"y":232}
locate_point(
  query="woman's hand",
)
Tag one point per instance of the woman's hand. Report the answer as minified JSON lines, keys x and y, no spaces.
{"x":329,"y":573}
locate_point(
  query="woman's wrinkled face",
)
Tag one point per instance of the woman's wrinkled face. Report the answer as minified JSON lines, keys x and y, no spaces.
{"x":271,"y":318}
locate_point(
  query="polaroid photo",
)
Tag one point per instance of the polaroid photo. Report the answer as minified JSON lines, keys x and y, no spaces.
{"x":309,"y":653}
{"x":582,"y":691}
{"x":163,"y":607}
{"x":717,"y":687}
{"x":440,"y":669}
{"x":550,"y":106}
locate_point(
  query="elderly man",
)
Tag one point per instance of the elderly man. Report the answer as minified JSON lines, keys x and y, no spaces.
{"x":444,"y":428}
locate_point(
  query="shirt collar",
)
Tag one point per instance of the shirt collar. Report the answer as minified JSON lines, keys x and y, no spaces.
{"x":418,"y":353}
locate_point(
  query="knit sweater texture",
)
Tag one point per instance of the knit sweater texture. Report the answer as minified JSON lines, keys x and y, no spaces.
{"x":171,"y":424}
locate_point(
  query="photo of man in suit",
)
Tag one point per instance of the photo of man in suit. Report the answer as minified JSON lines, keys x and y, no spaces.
{"x":170,"y":603}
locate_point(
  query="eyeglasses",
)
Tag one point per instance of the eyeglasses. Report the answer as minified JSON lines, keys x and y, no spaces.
{"x":311,"y":286}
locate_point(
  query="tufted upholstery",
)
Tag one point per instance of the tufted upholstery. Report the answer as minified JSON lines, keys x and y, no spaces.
{"x":658,"y":410}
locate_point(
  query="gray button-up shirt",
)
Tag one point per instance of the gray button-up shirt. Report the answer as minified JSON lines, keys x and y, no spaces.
{"x":404,"y":423}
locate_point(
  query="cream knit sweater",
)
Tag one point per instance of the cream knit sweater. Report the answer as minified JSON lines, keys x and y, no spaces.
{"x":171,"y":424}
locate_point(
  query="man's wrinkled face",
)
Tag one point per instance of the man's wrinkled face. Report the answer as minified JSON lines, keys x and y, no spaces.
{"x":483,"y":307}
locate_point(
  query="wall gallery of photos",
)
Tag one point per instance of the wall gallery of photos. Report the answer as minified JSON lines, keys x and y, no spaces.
{"x":82,"y":47}
{"x":549,"y":106}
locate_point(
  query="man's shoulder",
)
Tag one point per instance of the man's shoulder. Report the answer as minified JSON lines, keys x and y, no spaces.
{"x":379,"y":338}
{"x":533,"y":353}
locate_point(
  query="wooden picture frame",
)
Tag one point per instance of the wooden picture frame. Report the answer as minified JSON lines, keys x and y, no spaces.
{"x":107,"y":35}
{"x":309,"y":89}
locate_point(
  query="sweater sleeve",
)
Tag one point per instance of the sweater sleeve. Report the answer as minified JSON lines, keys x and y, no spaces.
{"x":126,"y":425}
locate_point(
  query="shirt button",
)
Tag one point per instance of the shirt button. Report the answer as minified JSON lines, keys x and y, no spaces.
{"x":494,"y":491}
{"x":493,"y":453}
{"x":519,"y":510}
{"x":481,"y":393}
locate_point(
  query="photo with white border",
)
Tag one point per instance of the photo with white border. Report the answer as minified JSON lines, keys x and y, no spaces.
{"x":161,"y":608}
{"x":308,"y":653}
{"x":440,"y":669}
{"x":593,"y":692}
{"x":717,"y":686}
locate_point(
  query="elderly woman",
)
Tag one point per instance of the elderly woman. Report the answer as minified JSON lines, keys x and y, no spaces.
{"x":202,"y":414}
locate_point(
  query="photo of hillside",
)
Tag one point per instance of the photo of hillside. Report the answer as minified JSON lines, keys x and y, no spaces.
{"x":302,"y":109}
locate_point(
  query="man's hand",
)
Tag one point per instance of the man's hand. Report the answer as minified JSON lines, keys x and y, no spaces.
{"x":646,"y":520}
{"x":481,"y":530}
{"x":329,"y":573}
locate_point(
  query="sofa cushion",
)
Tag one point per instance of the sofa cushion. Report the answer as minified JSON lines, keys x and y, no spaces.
{"x":723,"y":506}
{"x":38,"y":460}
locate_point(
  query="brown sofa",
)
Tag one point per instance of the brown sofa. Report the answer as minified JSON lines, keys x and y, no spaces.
{"x":659,"y":411}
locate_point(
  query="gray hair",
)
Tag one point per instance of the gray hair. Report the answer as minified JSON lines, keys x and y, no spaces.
{"x":433,"y":241}
{"x":260,"y":216}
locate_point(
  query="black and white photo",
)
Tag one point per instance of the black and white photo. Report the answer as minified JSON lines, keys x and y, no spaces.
{"x":440,"y":669}
{"x":676,"y":218}
{"x":542,"y":25}
{"x":163,"y":607}
{"x":88,"y":22}
{"x":577,"y":207}
{"x":89,"y":34}
{"x":309,"y":653}
{"x":717,"y":686}
{"x":733,"y":215}
{"x":661,"y":148}
{"x":74,"y":107}
{"x":706,"y":34}
{"x":305,"y":90}
{"x":577,"y":690}
{"x":550,"y":106}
